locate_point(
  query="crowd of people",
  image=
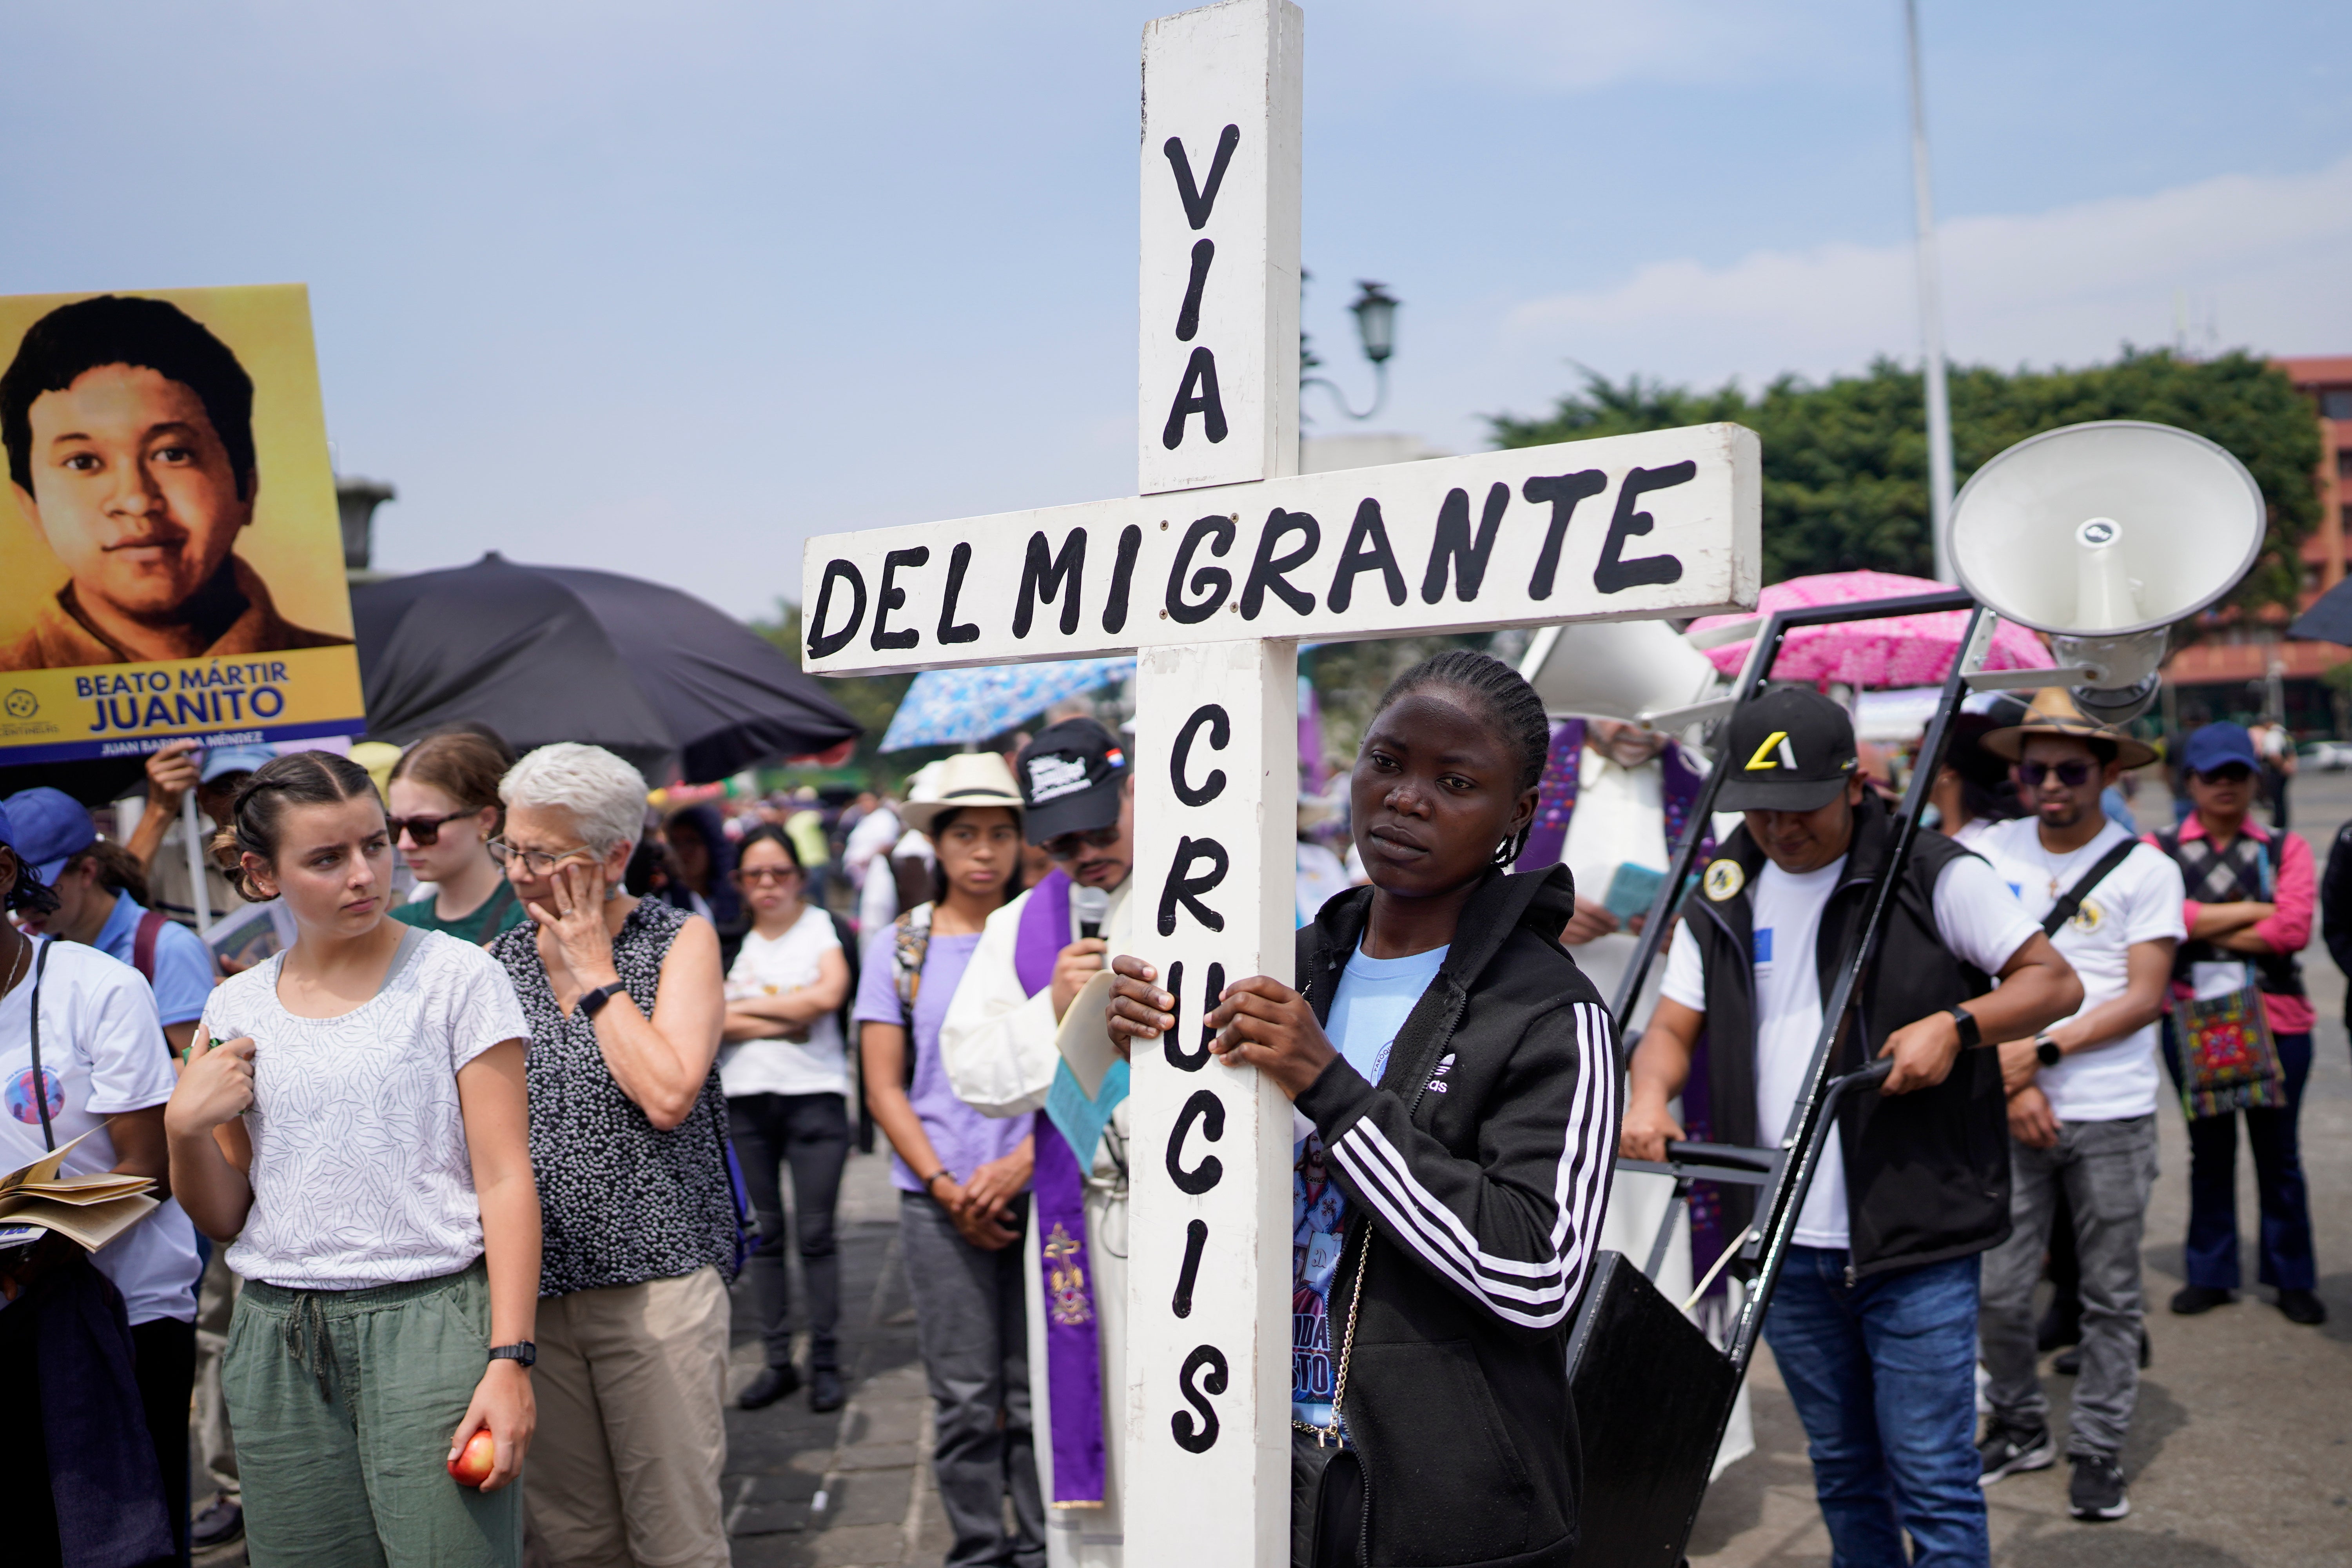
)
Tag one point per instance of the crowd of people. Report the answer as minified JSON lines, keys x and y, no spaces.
{"x":479,"y":1158}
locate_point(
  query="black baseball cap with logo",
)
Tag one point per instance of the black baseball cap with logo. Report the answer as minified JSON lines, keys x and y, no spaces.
{"x":1070,"y":777}
{"x":1789,"y":750}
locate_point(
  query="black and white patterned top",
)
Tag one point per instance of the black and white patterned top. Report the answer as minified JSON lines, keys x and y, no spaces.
{"x":620,"y":1201}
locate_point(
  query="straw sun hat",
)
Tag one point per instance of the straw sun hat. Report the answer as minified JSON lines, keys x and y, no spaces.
{"x":967,"y":779}
{"x":2055,"y":713}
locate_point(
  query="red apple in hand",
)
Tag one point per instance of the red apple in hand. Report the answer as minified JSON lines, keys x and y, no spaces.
{"x":473,"y":1465}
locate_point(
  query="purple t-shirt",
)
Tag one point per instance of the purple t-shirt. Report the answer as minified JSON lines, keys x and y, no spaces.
{"x":963,"y":1138}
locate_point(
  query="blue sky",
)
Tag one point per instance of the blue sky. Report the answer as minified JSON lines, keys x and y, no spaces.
{"x":665,"y":289}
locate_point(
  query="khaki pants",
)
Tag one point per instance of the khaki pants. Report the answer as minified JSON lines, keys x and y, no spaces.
{"x":632,"y":1382}
{"x":210,"y":1447}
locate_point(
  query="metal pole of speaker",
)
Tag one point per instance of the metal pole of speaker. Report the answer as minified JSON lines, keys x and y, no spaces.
{"x":1931,"y":316}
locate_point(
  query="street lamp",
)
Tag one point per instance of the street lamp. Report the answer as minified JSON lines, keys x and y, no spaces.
{"x":1375,"y":311}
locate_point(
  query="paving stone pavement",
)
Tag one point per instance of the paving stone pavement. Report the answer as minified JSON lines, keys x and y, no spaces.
{"x":850,"y":1490}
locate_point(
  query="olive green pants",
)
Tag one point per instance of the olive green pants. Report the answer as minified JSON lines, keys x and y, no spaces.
{"x":343,"y":1402}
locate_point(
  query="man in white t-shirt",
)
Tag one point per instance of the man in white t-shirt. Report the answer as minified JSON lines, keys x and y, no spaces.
{"x":2082,"y":1095}
{"x":1876,"y":1308}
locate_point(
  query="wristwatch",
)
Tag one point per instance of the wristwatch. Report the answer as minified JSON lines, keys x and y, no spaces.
{"x":1972,"y":1035}
{"x":522,"y":1350}
{"x":592,"y":1002}
{"x":2046,"y":1051}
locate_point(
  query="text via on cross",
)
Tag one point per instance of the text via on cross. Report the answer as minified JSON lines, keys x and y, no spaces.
{"x":1212,"y":575}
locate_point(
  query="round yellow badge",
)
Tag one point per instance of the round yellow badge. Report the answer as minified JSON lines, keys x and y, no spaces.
{"x":1724,"y":879}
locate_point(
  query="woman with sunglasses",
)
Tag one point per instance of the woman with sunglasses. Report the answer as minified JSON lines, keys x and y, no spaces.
{"x":787,"y":1082}
{"x":445,"y":811}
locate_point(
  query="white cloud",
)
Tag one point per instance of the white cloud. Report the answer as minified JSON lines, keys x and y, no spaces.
{"x":2262,"y":256}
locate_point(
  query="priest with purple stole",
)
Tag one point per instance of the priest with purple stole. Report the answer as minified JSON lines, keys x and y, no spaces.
{"x":1027,"y":1034}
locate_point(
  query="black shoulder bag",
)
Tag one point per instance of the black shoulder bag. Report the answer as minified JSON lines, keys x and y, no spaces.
{"x":2067,"y":907}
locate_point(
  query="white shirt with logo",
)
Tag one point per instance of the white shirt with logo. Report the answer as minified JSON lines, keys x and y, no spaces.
{"x":102,"y":1054}
{"x":2137,"y":902}
{"x":1979,"y":921}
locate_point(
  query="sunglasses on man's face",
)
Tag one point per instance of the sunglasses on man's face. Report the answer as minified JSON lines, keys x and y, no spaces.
{"x":2073,"y":772}
{"x":1066,"y":847}
{"x":2227,"y":773}
{"x":423,"y":831}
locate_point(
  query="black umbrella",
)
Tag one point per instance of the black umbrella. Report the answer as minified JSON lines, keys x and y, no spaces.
{"x":555,"y":653}
{"x":2329,"y":619}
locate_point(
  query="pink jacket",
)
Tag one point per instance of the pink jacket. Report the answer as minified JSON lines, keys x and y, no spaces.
{"x":2295,"y":891}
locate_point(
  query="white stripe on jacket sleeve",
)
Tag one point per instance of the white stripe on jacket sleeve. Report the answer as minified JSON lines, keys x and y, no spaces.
{"x":1535,"y":1293}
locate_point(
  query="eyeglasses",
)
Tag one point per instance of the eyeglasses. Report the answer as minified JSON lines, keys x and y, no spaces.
{"x":424,"y":831}
{"x":536,"y":863}
{"x":2073,"y":772}
{"x":758,"y":875}
{"x":1066,"y":847}
{"x":2228,"y":773}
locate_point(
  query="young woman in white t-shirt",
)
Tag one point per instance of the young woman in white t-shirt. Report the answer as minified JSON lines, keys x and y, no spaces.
{"x":352,"y":1121}
{"x":787,"y":1085}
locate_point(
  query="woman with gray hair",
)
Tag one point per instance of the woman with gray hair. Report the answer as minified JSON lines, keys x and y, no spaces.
{"x":628,"y":1137}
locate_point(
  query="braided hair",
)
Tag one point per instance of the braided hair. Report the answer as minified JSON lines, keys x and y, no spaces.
{"x":1509,"y":701}
{"x":258,"y":813}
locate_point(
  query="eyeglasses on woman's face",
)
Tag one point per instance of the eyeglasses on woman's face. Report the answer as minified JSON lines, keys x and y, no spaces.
{"x":423,"y":831}
{"x":535,"y":863}
{"x":2073,"y":772}
{"x":767,"y":876}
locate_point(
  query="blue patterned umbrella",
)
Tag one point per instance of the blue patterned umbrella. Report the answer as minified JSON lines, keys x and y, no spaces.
{"x":949,"y":707}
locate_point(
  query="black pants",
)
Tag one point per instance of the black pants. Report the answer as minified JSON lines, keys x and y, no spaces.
{"x":163,"y":1360}
{"x":810,"y":1132}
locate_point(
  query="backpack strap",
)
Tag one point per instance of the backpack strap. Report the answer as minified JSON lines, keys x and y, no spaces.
{"x":2066,"y":909}
{"x":910,"y":942}
{"x":40,"y":1081}
{"x":143,"y":942}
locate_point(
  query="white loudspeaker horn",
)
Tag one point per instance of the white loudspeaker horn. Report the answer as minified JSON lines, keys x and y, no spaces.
{"x":1643,"y":672}
{"x":2103,"y":535}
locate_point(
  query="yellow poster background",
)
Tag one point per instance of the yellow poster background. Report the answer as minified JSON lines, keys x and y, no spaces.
{"x":294,"y":543}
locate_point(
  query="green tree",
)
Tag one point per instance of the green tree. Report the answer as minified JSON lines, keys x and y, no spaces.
{"x":1846,"y":460}
{"x":871,"y":699}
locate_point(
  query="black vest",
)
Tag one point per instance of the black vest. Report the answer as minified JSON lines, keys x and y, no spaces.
{"x":1927,"y":1172}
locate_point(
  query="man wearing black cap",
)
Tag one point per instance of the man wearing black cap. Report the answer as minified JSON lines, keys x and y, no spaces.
{"x":1026,"y":1031}
{"x":1874,"y":1317}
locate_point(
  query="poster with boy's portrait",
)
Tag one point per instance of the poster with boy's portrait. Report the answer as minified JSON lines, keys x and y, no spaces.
{"x":171,"y":559}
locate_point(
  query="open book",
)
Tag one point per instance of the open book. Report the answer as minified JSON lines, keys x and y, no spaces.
{"x":90,"y":1210}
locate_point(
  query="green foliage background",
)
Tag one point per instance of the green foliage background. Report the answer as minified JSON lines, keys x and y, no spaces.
{"x":1846,"y":460}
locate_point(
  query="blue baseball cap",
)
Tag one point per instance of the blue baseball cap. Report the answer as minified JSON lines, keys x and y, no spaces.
{"x":46,"y":827}
{"x":2214,"y":746}
{"x":222,"y":761}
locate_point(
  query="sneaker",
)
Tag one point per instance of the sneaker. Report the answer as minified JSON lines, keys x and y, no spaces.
{"x":218,"y":1525}
{"x":2009,"y":1450}
{"x":772,"y":1383}
{"x":825,"y":1392}
{"x":2192,"y":1299}
{"x":2302,"y":1307}
{"x":2097,"y":1492}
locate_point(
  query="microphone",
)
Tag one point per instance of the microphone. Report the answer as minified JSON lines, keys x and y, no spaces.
{"x":1090,"y":904}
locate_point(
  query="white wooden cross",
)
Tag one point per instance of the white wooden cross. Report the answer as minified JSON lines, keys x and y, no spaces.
{"x":1212,"y":575}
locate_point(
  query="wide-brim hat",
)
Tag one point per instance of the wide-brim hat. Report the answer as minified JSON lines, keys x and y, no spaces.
{"x":967,"y":779}
{"x":2055,"y":713}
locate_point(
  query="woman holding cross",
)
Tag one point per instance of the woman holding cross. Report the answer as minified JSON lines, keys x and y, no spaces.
{"x":1452,"y":1069}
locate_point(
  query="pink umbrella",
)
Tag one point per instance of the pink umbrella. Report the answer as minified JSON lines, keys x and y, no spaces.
{"x":1901,"y":651}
